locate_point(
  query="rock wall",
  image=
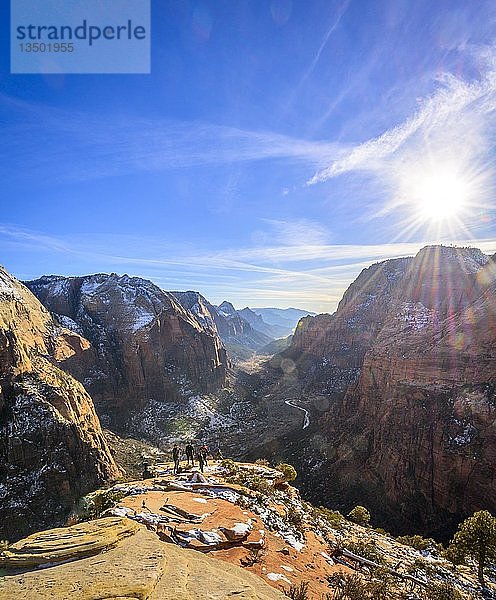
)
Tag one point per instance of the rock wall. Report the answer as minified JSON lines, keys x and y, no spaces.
{"x":51,"y":445}
{"x":412,"y":431}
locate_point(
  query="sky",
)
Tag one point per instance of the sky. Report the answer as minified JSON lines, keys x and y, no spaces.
{"x":276,"y":149}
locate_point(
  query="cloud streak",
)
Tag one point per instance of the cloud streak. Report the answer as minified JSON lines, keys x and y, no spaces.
{"x":312,"y":277}
{"x":96,"y":147}
{"x":458,"y":120}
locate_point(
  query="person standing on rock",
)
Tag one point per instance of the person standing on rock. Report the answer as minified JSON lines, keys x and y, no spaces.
{"x":203,"y":453}
{"x":176,"y":455}
{"x":201,"y":460}
{"x":190,"y":454}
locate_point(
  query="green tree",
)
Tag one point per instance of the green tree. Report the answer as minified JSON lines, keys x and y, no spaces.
{"x":288,"y":471}
{"x":359,"y":515}
{"x":476,"y":538}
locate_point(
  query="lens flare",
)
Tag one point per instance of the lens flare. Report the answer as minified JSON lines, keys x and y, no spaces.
{"x":440,"y":195}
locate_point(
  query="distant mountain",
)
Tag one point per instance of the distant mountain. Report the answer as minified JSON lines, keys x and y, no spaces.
{"x":237,"y":335}
{"x":280,"y":322}
{"x":258,"y":323}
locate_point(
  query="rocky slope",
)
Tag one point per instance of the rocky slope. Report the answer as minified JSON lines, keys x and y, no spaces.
{"x":146,"y":348}
{"x":400,"y":383}
{"x":51,"y":445}
{"x":239,"y":531}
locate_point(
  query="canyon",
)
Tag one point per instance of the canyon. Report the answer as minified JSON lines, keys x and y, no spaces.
{"x":389,"y":402}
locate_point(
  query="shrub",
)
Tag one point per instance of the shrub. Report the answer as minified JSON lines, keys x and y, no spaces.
{"x":366,"y":550}
{"x":230,"y":466}
{"x":97,"y":503}
{"x":295,"y":519}
{"x":333,"y":517}
{"x":288,"y":471}
{"x":298,"y":592}
{"x":359,"y":515}
{"x":422,"y":566}
{"x":419,"y":543}
{"x":253,"y":482}
{"x":442,"y":591}
{"x":353,"y":587}
{"x":255,"y":555}
{"x":4,"y":545}
{"x":263,"y":462}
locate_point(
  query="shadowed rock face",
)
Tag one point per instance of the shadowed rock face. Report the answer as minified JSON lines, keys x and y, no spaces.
{"x":145,"y":345}
{"x":408,"y":363}
{"x":51,"y":445}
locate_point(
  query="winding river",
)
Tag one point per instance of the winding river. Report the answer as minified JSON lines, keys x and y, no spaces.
{"x":306,"y":419}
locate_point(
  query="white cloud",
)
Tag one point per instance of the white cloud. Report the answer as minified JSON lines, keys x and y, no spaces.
{"x":300,"y":232}
{"x":454,"y":119}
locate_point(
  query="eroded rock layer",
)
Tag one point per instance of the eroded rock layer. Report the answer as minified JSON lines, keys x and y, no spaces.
{"x":145,"y":345}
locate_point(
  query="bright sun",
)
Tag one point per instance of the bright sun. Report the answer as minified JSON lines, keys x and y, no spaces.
{"x":440,"y":195}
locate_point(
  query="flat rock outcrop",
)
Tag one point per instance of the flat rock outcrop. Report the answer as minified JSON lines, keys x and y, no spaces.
{"x":52,"y":449}
{"x":135,"y":565}
{"x":210,"y":536}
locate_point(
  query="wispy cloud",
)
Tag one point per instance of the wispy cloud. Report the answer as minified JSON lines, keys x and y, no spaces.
{"x":300,"y":232}
{"x":312,"y":277}
{"x":83,"y":146}
{"x":456,"y":123}
{"x":337,"y":16}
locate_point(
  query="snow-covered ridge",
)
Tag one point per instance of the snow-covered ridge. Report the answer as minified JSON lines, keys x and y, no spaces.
{"x":7,"y":286}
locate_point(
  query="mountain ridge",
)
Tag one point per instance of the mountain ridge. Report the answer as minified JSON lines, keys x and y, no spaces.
{"x":405,"y":365}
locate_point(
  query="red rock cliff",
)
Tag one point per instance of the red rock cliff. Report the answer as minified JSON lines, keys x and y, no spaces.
{"x":412,"y":434}
{"x":51,"y":445}
{"x":145,"y":344}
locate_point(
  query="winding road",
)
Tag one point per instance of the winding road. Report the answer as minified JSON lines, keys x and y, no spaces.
{"x":306,"y":420}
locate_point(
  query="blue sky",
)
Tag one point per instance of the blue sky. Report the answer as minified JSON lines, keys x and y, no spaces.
{"x":276,"y":149}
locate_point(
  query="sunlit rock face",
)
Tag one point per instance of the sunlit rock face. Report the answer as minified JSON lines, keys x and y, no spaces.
{"x":51,"y":445}
{"x":408,"y":363}
{"x":145,"y":345}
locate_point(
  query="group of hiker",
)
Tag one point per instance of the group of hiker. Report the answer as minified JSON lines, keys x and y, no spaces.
{"x":189,"y":450}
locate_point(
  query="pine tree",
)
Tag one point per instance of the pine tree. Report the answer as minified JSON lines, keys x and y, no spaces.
{"x":359,"y":515}
{"x":476,"y":538}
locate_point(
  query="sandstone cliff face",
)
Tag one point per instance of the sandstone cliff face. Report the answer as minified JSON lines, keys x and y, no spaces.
{"x":413,"y":433}
{"x":51,"y":445}
{"x":145,"y":345}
